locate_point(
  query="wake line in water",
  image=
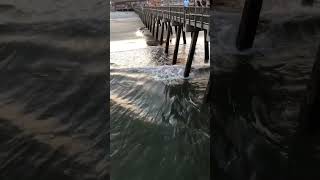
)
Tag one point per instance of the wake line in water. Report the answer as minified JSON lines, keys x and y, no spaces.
{"x":169,"y":74}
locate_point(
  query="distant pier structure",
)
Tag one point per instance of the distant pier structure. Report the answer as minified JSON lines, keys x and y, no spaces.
{"x":164,"y":18}
{"x":125,"y":5}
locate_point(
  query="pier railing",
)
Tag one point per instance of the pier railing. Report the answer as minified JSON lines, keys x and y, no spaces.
{"x":193,"y":16}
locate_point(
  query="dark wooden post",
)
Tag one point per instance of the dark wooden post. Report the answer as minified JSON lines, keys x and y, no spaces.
{"x":150,"y":23}
{"x":147,"y":21}
{"x":191,"y":53}
{"x":310,"y":113}
{"x":206,"y":47}
{"x":184,"y":37}
{"x":162,"y":30}
{"x":307,"y":2}
{"x":249,"y":23}
{"x":157,"y":33}
{"x":147,"y":24}
{"x":168,"y":38}
{"x":154,"y":26}
{"x":176,"y":48}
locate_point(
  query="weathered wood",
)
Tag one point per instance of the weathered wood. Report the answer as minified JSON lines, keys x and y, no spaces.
{"x":162,"y":31}
{"x":168,"y":38}
{"x":176,"y":48}
{"x":184,"y":37}
{"x":206,"y":47}
{"x":249,"y":23}
{"x":191,"y":53}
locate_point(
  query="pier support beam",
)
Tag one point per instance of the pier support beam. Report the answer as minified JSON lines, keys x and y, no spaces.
{"x":191,"y":53}
{"x":153,"y":26}
{"x":206,"y":47}
{"x":184,"y":37}
{"x":249,"y":23}
{"x":176,"y":48}
{"x":168,"y":38}
{"x":157,"y":32}
{"x":162,"y":31}
{"x":150,"y":23}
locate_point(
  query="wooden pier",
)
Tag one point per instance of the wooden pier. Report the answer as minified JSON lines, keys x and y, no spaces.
{"x":193,"y":19}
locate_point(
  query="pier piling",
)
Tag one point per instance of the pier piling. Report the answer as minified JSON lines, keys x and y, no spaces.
{"x":154,"y":26}
{"x":191,"y":53}
{"x":249,"y":23}
{"x":176,"y":48}
{"x":168,"y":38}
{"x":197,"y":19}
{"x":162,"y":31}
{"x":206,"y":47}
{"x":157,"y":32}
{"x":184,"y":37}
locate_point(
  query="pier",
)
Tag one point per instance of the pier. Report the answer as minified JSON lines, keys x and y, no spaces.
{"x":192,"y":19}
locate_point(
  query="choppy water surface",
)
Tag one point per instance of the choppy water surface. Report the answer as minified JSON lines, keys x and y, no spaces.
{"x":159,"y":125}
{"x":53,"y":122}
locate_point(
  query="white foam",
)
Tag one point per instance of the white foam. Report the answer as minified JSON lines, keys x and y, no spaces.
{"x":168,"y":74}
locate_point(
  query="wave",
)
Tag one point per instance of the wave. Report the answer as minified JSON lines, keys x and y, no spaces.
{"x":53,"y":81}
{"x":66,"y":28}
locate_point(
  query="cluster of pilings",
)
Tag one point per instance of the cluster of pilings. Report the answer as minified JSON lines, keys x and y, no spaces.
{"x":154,"y":21}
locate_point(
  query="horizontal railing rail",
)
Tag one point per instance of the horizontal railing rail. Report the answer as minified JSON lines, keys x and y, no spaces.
{"x":195,"y":16}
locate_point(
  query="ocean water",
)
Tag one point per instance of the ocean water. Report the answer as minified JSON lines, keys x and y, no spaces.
{"x":258,"y":95}
{"x":53,"y":122}
{"x":159,"y":123}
